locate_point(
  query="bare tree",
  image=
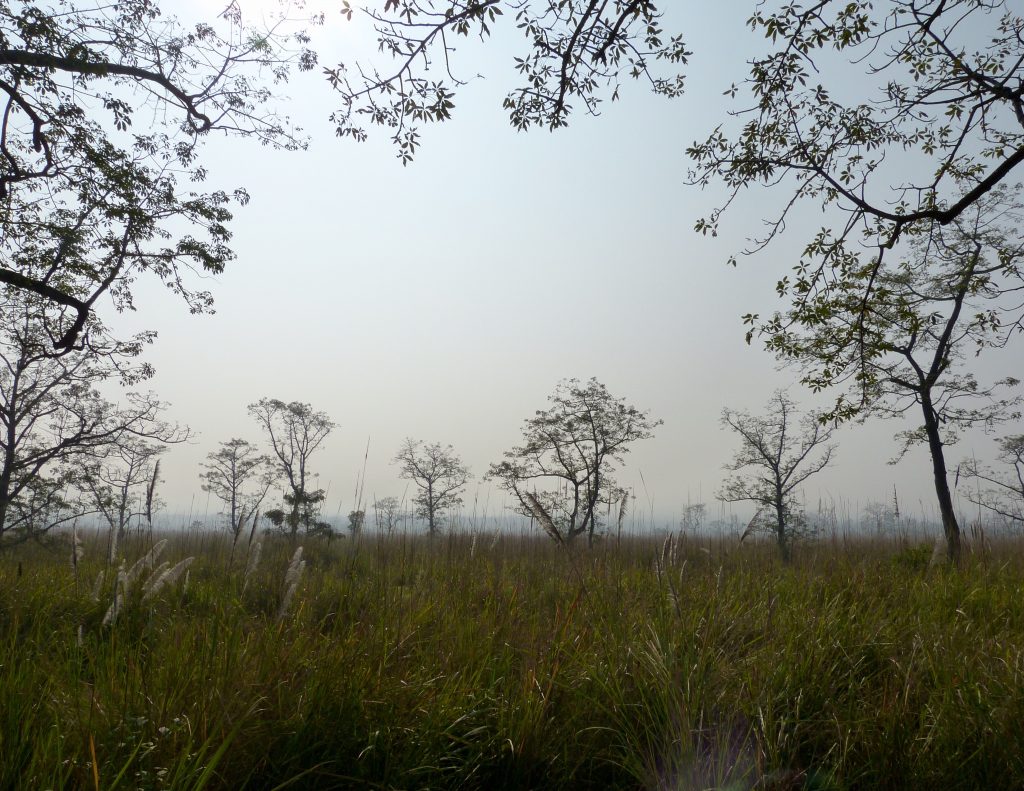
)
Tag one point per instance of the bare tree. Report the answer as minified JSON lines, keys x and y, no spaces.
{"x":438,"y":473}
{"x":121,"y":486}
{"x":777,"y":452}
{"x":53,"y":421}
{"x":564,"y":469}
{"x":239,"y":476}
{"x":693,"y":518}
{"x":295,"y":431}
{"x":879,"y":517}
{"x":1003,"y":492}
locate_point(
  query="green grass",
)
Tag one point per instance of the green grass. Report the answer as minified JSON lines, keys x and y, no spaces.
{"x":408,"y":663}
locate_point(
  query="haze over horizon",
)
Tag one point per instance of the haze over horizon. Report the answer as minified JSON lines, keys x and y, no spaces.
{"x":445,"y":300}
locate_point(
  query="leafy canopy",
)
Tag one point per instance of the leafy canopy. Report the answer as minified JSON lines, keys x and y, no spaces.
{"x":105,"y":107}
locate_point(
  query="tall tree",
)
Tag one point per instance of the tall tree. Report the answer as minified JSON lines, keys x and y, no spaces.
{"x":438,"y":473}
{"x":87,"y":202}
{"x":943,"y":299}
{"x":563,"y":471}
{"x":778,"y":452}
{"x":295,"y":431}
{"x":904,"y":124}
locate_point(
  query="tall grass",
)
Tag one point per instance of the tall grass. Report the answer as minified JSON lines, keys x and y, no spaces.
{"x":410,"y":663}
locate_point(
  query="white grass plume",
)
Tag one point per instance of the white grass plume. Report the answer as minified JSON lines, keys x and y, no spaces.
{"x":167,"y":577}
{"x":673,"y":555}
{"x":252,"y":564}
{"x":294,"y":569}
{"x":292,"y":578}
{"x":147,"y":561}
{"x":154,"y":577}
{"x":77,"y":550}
{"x":121,"y":585}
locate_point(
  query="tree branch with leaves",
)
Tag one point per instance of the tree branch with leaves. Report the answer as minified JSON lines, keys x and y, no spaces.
{"x":578,"y":50}
{"x":938,"y":125}
{"x":87,"y":202}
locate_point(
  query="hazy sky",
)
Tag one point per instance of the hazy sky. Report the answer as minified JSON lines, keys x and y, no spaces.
{"x":444,"y":300}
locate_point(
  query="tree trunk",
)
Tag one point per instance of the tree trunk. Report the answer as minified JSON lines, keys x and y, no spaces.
{"x":294,"y":518}
{"x":5,"y":498}
{"x":590,"y":521}
{"x":431,"y":516}
{"x":592,"y":503}
{"x":950,"y":526}
{"x":10,"y":459}
{"x":780,"y":528}
{"x":6,"y":476}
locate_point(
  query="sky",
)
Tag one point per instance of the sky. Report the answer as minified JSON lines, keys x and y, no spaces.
{"x":445,"y":300}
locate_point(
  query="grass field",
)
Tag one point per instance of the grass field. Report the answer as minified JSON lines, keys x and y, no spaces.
{"x":511,"y":663}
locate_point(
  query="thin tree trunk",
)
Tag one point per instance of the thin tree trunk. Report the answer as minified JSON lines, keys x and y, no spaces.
{"x":298,"y":492}
{"x":5,"y":498}
{"x":592,"y":504}
{"x":431,"y":525}
{"x":10,"y":459}
{"x":950,"y":526}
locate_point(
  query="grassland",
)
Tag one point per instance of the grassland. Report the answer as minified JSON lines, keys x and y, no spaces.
{"x":481,"y":664}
